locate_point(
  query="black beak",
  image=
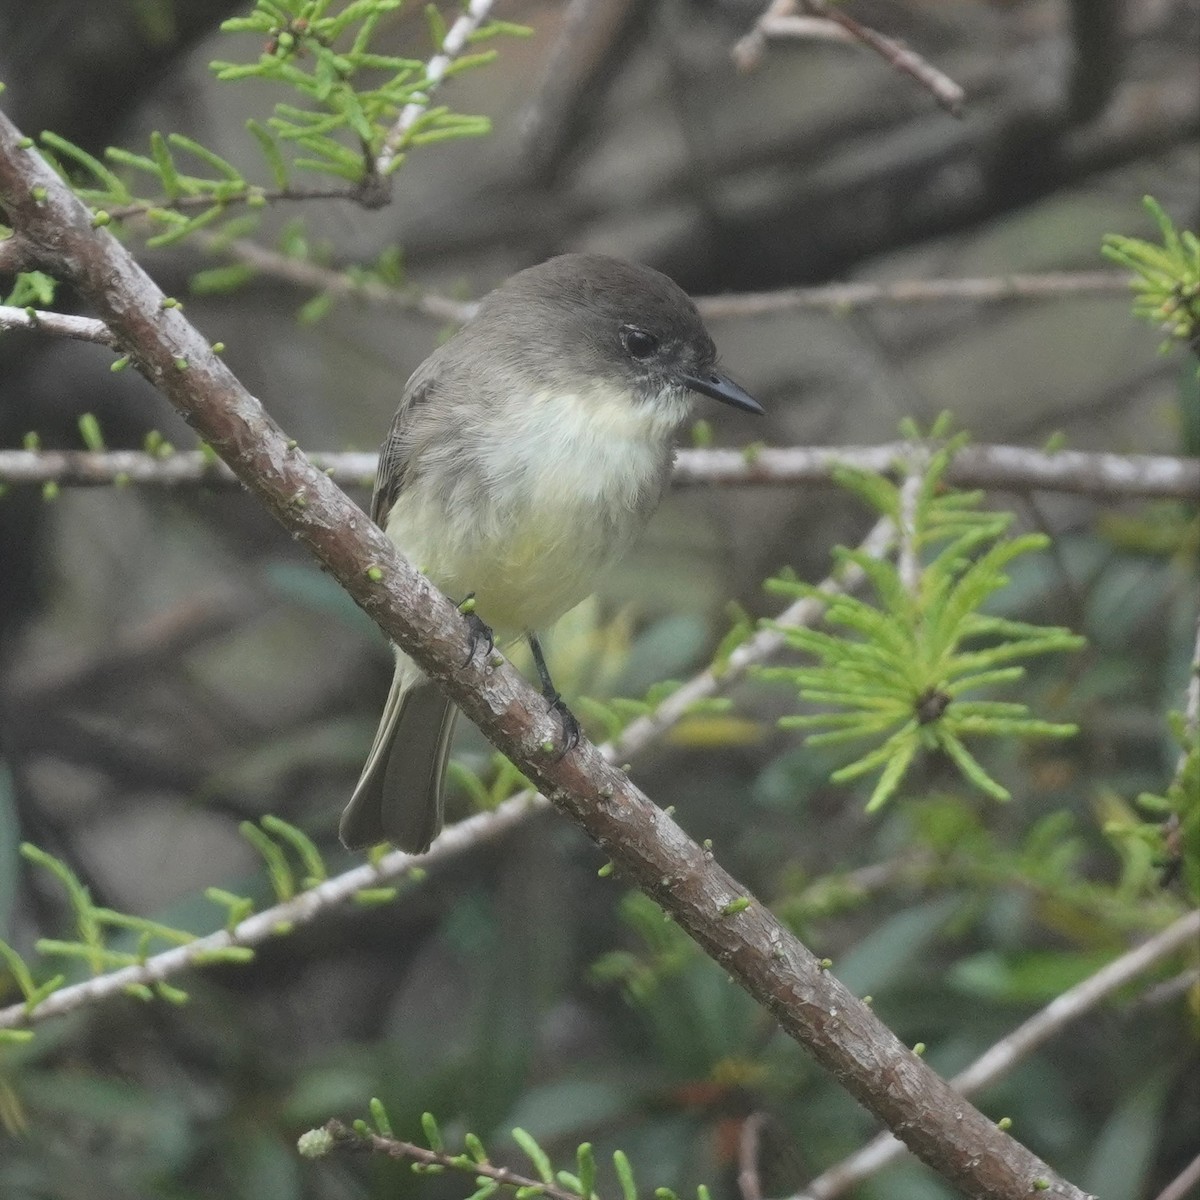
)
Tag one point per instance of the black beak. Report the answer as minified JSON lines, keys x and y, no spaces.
{"x":722,"y":388}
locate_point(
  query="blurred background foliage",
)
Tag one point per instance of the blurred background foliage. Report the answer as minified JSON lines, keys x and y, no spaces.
{"x":169,"y":665}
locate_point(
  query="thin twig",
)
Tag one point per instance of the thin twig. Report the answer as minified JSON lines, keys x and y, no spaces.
{"x":999,"y":1059}
{"x":1191,"y":703}
{"x":997,"y":467}
{"x":1170,"y":990}
{"x":944,"y":90}
{"x":846,"y":297}
{"x":305,"y":273}
{"x":250,"y":193}
{"x":908,"y":562}
{"x":393,"y":1147}
{"x":779,"y":21}
{"x":85,"y":329}
{"x":748,"y":1179}
{"x":748,"y":50}
{"x":1180,"y":1188}
{"x":453,"y":44}
{"x":837,"y":298}
{"x":808,"y":29}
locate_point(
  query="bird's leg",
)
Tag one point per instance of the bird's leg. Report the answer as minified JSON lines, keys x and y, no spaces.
{"x":480,"y":633}
{"x":570,"y":725}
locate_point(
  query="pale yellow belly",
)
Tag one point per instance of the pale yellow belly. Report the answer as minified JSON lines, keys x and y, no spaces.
{"x":537,"y":506}
{"x":525,"y":575}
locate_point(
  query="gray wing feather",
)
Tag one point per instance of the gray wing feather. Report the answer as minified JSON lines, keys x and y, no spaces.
{"x":392,"y":471}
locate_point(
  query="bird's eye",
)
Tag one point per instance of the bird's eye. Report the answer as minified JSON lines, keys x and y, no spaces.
{"x":637,"y":342}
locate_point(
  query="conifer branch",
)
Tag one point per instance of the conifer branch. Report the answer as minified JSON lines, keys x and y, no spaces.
{"x":452,"y":46}
{"x":344,"y":1138}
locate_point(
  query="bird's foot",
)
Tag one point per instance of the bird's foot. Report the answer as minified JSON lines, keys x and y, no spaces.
{"x":479,"y":632}
{"x":571,"y":732}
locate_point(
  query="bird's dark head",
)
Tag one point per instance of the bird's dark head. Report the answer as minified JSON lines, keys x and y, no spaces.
{"x":604,"y":318}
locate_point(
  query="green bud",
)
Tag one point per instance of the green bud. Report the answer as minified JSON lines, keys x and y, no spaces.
{"x":316,"y":1143}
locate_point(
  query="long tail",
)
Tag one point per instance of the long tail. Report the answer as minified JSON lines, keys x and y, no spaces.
{"x":398,"y":798}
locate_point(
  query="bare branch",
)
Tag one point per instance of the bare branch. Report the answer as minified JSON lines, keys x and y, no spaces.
{"x":779,"y":21}
{"x":908,"y":562}
{"x":747,"y":52}
{"x":1180,"y":1188}
{"x":944,"y":90}
{"x":60,"y":324}
{"x":808,"y":29}
{"x":844,"y":297}
{"x":834,"y":298}
{"x":1006,"y":468}
{"x":306,"y":274}
{"x":1191,"y":703}
{"x":748,"y":1179}
{"x":1013,"y":468}
{"x":1001,"y":1058}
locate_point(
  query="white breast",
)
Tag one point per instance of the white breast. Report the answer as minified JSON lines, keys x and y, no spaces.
{"x":548,"y":497}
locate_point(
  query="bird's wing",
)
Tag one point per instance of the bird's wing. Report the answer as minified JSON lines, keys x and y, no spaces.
{"x":394,"y":454}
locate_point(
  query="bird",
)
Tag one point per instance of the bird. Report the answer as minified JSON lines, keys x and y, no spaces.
{"x":526,"y":455}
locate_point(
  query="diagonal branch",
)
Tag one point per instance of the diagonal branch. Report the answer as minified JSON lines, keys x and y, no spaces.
{"x":456,"y":839}
{"x":1000,"y":1059}
{"x":645,"y":844}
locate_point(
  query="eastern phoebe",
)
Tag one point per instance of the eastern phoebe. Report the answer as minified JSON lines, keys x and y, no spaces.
{"x":526,"y":455}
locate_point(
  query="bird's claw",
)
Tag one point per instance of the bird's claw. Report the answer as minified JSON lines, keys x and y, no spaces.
{"x":571,"y":731}
{"x":479,"y":632}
